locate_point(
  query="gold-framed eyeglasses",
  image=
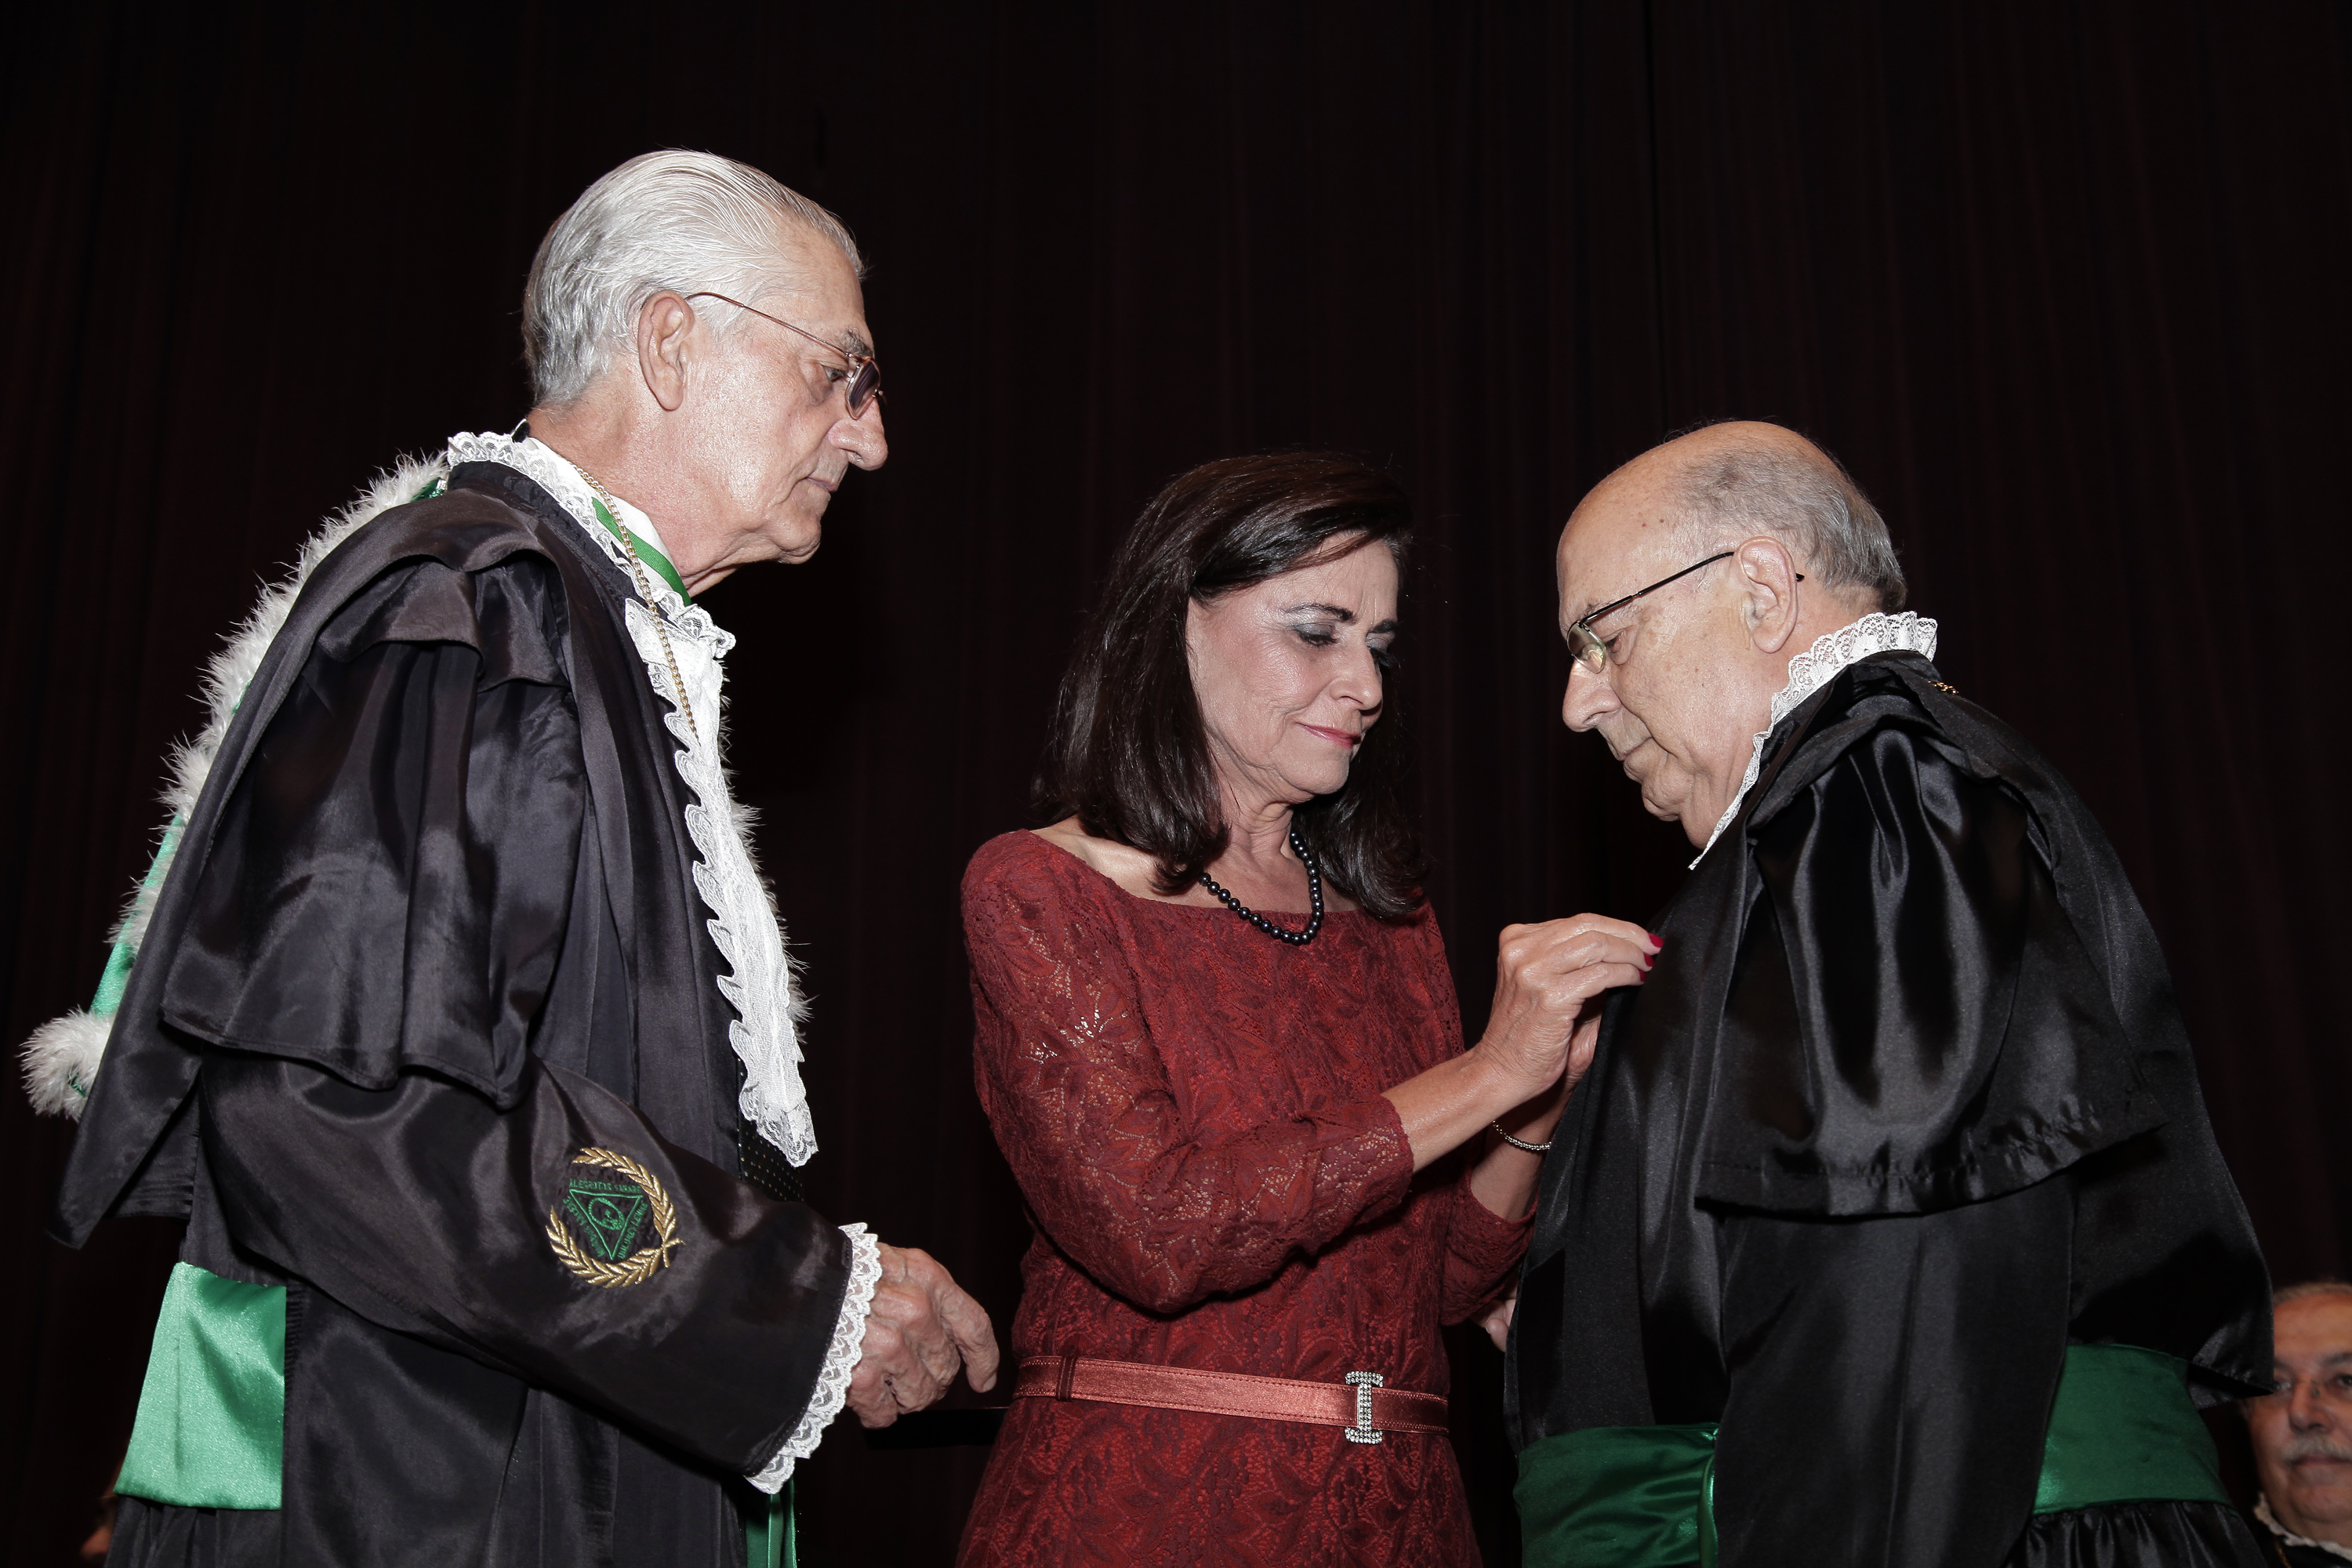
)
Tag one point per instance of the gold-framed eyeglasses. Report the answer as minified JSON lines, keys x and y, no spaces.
{"x":864,"y":376}
{"x":1592,"y":650}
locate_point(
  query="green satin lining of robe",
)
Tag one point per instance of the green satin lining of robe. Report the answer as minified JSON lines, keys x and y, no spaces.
{"x":1632,"y":1497}
{"x":2122,"y":1429}
{"x":772,"y":1540}
{"x":211,"y":1431}
{"x":115,"y":978}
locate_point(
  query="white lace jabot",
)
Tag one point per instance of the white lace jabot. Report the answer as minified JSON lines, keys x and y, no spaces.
{"x":758,"y":982}
{"x":1816,"y":667}
{"x":2262,"y":1511}
{"x":758,"y":979}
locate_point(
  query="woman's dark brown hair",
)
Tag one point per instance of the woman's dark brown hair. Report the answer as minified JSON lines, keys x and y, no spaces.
{"x":1129,"y":755}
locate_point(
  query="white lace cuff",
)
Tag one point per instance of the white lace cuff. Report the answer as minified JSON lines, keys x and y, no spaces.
{"x":840,"y":1360}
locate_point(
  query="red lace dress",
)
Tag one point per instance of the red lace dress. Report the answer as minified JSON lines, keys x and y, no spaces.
{"x":1215,"y":1179}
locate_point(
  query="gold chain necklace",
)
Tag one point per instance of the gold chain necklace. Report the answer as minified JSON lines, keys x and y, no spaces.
{"x":645,"y":592}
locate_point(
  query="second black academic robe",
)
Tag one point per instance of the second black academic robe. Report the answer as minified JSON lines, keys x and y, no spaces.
{"x":432,"y":931}
{"x":1905,"y":1105}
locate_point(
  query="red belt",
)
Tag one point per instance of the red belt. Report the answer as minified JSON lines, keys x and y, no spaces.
{"x":1360,"y":1406}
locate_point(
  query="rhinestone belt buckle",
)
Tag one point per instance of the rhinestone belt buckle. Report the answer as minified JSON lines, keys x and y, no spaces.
{"x":1364,"y":1431}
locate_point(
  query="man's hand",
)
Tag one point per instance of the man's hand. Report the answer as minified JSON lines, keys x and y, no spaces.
{"x":919,"y":1328}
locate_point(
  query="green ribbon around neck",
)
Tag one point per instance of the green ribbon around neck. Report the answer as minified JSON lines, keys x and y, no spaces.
{"x":2122,"y":1429}
{"x":646,"y":552}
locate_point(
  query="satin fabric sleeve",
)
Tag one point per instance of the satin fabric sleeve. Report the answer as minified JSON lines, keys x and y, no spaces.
{"x":1079,"y":1094}
{"x":1889,"y":1383}
{"x":425,"y":1209}
{"x":1914,"y":1022}
{"x":387,"y":884}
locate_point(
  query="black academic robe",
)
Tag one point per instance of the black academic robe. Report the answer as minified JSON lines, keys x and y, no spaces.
{"x":1904,"y":1106}
{"x":432,"y":929}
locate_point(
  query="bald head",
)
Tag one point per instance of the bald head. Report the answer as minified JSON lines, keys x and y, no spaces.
{"x":1722,"y":483}
{"x":1743,"y":543}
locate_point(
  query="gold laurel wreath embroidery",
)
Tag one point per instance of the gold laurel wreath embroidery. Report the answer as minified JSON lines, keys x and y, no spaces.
{"x":639,"y":1266}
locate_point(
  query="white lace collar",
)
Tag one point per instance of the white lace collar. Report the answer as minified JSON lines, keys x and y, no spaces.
{"x":2262,"y":1511}
{"x":1816,"y":667}
{"x":552,"y":472}
{"x":757,"y":980}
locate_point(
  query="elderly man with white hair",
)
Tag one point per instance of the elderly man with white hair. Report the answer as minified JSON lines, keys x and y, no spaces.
{"x":454,"y":1018}
{"x":1886,"y":1226}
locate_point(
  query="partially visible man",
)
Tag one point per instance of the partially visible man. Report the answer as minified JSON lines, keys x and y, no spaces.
{"x":2303,"y":1432}
{"x":1889,"y":1203}
{"x":454,"y":1018}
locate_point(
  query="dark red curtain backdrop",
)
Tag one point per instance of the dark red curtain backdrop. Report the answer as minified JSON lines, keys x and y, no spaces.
{"x":2064,"y":284}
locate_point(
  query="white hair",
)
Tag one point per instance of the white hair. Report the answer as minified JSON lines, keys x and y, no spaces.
{"x":687,"y":221}
{"x":1815,"y":507}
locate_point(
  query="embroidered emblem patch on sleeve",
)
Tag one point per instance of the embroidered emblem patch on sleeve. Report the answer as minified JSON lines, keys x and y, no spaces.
{"x":610,"y":1204}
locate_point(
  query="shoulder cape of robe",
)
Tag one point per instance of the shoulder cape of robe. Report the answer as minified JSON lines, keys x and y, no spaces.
{"x":432,"y":931}
{"x":1905,"y":1104}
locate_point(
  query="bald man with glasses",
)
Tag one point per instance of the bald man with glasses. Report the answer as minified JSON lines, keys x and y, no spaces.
{"x":1886,"y":1228}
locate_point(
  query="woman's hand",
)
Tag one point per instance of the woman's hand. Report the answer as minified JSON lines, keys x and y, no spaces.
{"x":1546,"y":1020}
{"x":1548,"y":980}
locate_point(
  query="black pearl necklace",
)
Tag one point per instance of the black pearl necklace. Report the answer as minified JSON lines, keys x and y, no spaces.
{"x":1314,"y":892}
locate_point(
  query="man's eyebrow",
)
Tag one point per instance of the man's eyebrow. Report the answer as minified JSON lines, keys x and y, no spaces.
{"x":855,"y":343}
{"x":1584,"y":611}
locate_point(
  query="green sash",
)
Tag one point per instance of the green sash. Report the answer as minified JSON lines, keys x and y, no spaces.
{"x":211,"y":1431}
{"x":2123,"y":1429}
{"x":771,"y":1538}
{"x":1626,"y":1496}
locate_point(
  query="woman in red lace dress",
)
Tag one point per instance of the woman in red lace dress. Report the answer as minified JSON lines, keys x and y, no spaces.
{"x":1256,"y":1157}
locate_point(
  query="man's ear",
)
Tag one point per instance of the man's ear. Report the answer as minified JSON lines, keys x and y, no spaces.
{"x":1770,"y":577}
{"x":665,"y":322}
